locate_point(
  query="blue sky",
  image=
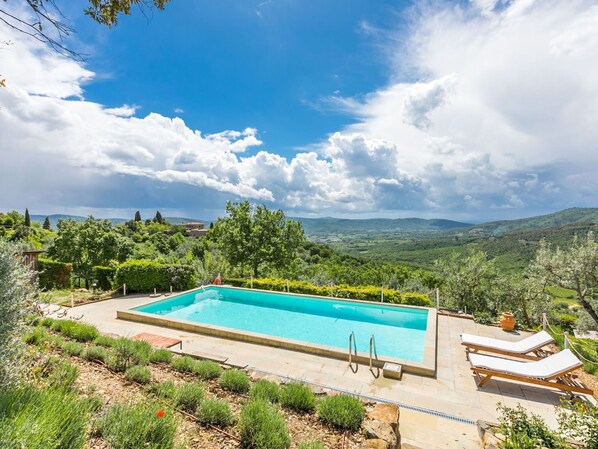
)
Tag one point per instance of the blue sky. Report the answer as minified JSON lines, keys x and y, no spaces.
{"x":471,"y":110}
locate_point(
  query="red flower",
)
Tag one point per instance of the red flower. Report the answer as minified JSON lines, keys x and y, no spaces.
{"x":160,"y":413}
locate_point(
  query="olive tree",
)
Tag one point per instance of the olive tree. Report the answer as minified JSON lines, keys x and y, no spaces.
{"x":16,"y":297}
{"x":574,"y":268}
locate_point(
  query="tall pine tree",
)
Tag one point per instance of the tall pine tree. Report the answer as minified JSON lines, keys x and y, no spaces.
{"x":27,"y":218}
{"x":46,"y":224}
{"x":137,"y":216}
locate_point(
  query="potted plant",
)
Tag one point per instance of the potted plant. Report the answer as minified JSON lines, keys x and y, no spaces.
{"x":507,"y":321}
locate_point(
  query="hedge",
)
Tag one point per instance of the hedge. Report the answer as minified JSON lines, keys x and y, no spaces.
{"x":365,"y":293}
{"x":54,"y":274}
{"x":104,"y":277}
{"x":145,"y":275}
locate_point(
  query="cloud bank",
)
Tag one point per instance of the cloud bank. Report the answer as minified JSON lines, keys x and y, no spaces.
{"x":501,"y":120}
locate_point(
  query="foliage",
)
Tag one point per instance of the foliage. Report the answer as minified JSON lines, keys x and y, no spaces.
{"x":27,"y":218}
{"x":76,"y":330}
{"x":165,"y":389}
{"x":127,"y":353}
{"x":265,"y":390}
{"x":235,"y":380}
{"x":216,"y":412}
{"x":161,"y":355}
{"x":342,"y":411}
{"x":42,"y":419}
{"x":95,"y":352}
{"x":206,"y":369}
{"x":261,"y":426}
{"x":16,"y":297}
{"x":104,"y":340}
{"x":297,"y":396}
{"x":73,"y":348}
{"x":139,"y":374}
{"x":521,"y":429}
{"x":36,"y":336}
{"x":257,"y":237}
{"x":145,"y":275}
{"x":580,"y":421}
{"x":47,"y":226}
{"x":53,"y":274}
{"x":132,"y":426}
{"x":183,"y":364}
{"x":104,"y":277}
{"x":575,"y":268}
{"x":484,"y":318}
{"x":312,"y":444}
{"x":188,"y":396}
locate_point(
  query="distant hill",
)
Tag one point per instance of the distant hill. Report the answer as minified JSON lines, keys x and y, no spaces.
{"x":55,"y":217}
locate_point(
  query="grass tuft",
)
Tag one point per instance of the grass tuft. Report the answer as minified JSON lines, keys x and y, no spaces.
{"x":266,"y":390}
{"x":104,"y":340}
{"x":183,"y":364}
{"x":73,"y":348}
{"x":139,"y":374}
{"x":262,"y":426}
{"x":312,"y":444}
{"x":165,"y":389}
{"x":216,"y":412}
{"x":207,"y":369}
{"x":76,"y":330}
{"x":235,"y":380}
{"x":341,"y":411}
{"x":188,"y":396}
{"x":127,"y":353}
{"x":94,"y":352}
{"x":298,"y":397}
{"x":161,"y":355}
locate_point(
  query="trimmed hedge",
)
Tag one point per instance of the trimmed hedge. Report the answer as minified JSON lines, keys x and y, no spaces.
{"x":104,"y":277}
{"x":364,"y":293}
{"x":145,"y":275}
{"x":54,"y":274}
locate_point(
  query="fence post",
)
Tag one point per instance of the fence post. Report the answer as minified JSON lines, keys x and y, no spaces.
{"x":566,"y":339}
{"x":382,"y":294}
{"x":251,"y":281}
{"x":171,"y":289}
{"x":437,"y":298}
{"x":331,"y":292}
{"x":124,"y":289}
{"x":544,"y":321}
{"x":288,"y":289}
{"x":72,"y":301}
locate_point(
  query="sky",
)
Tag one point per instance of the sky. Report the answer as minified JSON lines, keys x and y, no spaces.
{"x":468,"y":110}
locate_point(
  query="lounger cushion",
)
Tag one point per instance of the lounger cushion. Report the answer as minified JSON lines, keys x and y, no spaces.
{"x":549,"y":367}
{"x":524,"y":346}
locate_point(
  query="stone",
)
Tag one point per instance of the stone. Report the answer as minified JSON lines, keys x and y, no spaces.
{"x":386,"y":413}
{"x":380,"y":430}
{"x":376,"y":443}
{"x":392,"y":371}
{"x":490,"y":441}
{"x":409,"y":446}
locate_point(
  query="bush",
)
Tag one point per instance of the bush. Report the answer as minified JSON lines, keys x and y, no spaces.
{"x":216,"y":412}
{"x":104,"y":340}
{"x":342,"y":411}
{"x":207,"y":369}
{"x":103,"y":277}
{"x":47,"y":322}
{"x":266,"y":390}
{"x":567,"y":321}
{"x":145,"y":275}
{"x":484,"y":318}
{"x":521,"y":430}
{"x":165,"y":389}
{"x":139,"y":374}
{"x":93,"y":353}
{"x":53,"y":274}
{"x":132,"y":426}
{"x":127,"y":353}
{"x":73,"y":348}
{"x":36,"y":336}
{"x":188,"y":396}
{"x":416,"y":299}
{"x":63,"y":375}
{"x":314,"y":444}
{"x":183,"y":364}
{"x":298,"y":396}
{"x":161,"y":355}
{"x":75,"y":330}
{"x":42,"y":419}
{"x":261,"y":426}
{"x":234,"y":380}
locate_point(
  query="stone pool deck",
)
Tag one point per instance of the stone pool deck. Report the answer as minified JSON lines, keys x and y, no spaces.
{"x":436,"y":412}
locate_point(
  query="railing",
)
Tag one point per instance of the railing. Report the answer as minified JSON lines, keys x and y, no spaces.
{"x":352,"y":351}
{"x":373,"y":353}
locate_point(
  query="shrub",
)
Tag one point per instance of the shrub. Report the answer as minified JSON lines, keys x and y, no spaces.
{"x":75,"y":330}
{"x":36,"y":336}
{"x":519,"y":428}
{"x":165,"y":389}
{"x":145,"y":275}
{"x":132,"y":426}
{"x":127,"y":353}
{"x":579,"y":421}
{"x":484,"y":318}
{"x":261,"y":426}
{"x":53,"y":274}
{"x":207,"y":369}
{"x":314,"y":444}
{"x":139,"y":374}
{"x":216,"y":412}
{"x":161,"y":355}
{"x":266,"y":390}
{"x":183,"y":364}
{"x":47,"y":322}
{"x":416,"y":299}
{"x":73,"y":348}
{"x":298,"y":396}
{"x":188,"y":396}
{"x":42,"y":419}
{"x":103,"y":277}
{"x":234,"y":380}
{"x":63,"y":375}
{"x":567,"y":321}
{"x":342,"y":411}
{"x":93,"y":353}
{"x":104,"y":340}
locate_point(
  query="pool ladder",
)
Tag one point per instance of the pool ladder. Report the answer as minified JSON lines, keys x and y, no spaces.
{"x":373,"y":354}
{"x":352,"y":351}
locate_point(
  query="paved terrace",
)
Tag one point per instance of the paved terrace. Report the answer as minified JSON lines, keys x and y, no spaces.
{"x":453,"y":392}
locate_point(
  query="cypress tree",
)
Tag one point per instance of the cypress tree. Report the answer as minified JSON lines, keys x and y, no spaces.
{"x":46,"y":224}
{"x":137,"y":216}
{"x":158,"y":218}
{"x":27,"y":218}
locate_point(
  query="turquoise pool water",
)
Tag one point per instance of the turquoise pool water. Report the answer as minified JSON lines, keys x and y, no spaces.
{"x":399,"y":332}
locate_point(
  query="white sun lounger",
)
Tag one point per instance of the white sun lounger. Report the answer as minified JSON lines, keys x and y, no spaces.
{"x":552,"y":371}
{"x":521,"y":348}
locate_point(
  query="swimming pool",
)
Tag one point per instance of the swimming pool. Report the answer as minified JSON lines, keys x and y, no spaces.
{"x":298,"y":321}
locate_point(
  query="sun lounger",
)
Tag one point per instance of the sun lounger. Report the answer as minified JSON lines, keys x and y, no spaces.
{"x":522,"y":348}
{"x":552,"y":371}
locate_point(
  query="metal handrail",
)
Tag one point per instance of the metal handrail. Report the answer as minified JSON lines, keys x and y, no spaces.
{"x":352,"y":349}
{"x":373,"y":352}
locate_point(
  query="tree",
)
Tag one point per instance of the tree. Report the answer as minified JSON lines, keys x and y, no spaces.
{"x":257,"y":237}
{"x":16,"y":299}
{"x":574,"y":268}
{"x":88,"y":244}
{"x":158,"y":218}
{"x":47,"y":226}
{"x":27,"y":219}
{"x":137,"y":216}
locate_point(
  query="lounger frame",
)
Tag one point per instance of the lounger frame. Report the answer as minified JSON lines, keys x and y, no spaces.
{"x":536,"y":354}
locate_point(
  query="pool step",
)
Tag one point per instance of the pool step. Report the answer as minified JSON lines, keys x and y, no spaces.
{"x":392,"y":370}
